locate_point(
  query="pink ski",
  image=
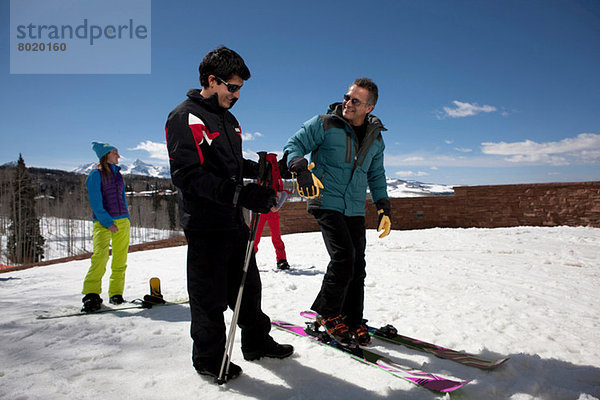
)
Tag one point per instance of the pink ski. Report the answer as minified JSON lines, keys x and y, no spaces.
{"x":389,"y":334}
{"x":420,"y":378}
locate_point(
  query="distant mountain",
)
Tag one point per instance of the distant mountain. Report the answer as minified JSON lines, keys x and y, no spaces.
{"x":396,"y":187}
{"x":141,"y":168}
{"x":400,"y":188}
{"x":84,"y":169}
{"x":137,"y":168}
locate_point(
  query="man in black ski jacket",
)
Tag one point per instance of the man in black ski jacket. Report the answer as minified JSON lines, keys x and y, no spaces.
{"x":204,"y":141}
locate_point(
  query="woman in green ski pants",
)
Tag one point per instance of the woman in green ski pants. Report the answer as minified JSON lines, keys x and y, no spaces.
{"x":106,"y":193}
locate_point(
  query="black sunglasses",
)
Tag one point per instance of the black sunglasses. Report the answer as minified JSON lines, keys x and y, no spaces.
{"x":230,"y":86}
{"x":356,"y":102}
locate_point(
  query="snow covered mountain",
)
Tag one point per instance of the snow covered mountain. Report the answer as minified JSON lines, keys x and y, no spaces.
{"x":396,"y":187}
{"x":400,"y":188}
{"x":84,"y":168}
{"x":141,"y":168}
{"x":138,"y":167}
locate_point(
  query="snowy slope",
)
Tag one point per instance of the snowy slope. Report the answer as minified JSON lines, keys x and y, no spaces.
{"x":528,"y":293}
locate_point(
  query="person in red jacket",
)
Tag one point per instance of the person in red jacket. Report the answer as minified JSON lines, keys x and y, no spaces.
{"x":272,"y":218}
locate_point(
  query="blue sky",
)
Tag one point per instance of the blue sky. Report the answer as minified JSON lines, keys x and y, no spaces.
{"x":472,"y":92}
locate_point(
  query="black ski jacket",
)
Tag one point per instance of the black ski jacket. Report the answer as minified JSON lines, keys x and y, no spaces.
{"x":205,"y":150}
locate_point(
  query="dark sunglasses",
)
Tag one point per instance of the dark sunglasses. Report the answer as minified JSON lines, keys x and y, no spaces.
{"x":230,"y":86}
{"x":356,"y":102}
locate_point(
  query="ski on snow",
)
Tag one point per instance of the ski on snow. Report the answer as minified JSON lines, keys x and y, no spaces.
{"x":420,"y":378}
{"x":390,"y":334}
{"x":133,"y":305}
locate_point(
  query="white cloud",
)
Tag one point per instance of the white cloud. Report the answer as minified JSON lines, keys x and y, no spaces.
{"x":157,"y":151}
{"x":250,"y":155}
{"x":462,"y":110}
{"x":251,"y":136}
{"x":442,"y":160}
{"x":413,"y":158}
{"x":463,"y":150}
{"x":253,"y":155}
{"x":408,"y":174}
{"x":585,"y":148}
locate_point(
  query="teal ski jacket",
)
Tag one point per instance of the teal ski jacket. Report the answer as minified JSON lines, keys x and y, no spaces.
{"x":344,"y":167}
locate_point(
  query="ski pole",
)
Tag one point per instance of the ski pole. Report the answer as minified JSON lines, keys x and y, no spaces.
{"x":249,"y":249}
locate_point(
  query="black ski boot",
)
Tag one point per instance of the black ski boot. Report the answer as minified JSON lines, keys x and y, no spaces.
{"x":283,"y":264}
{"x":116,"y":299}
{"x":361,"y":335}
{"x":270,"y":348}
{"x":212,"y":368}
{"x":91,"y":302}
{"x":337,"y":329}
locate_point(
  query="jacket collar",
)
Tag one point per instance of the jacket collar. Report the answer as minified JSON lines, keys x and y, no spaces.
{"x":211,"y":103}
{"x":335,"y":109}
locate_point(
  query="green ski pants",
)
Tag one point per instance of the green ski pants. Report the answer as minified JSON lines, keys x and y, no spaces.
{"x":120,"y":245}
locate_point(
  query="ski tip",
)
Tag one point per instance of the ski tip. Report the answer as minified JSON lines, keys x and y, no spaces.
{"x":438,"y":384}
{"x":308,"y":314}
{"x":502,"y":361}
{"x":487,"y":365}
{"x":456,"y":386}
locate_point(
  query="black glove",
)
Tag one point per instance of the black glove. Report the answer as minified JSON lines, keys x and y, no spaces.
{"x":284,"y":171}
{"x":257,"y":198}
{"x":307,"y":183}
{"x":384,"y":213}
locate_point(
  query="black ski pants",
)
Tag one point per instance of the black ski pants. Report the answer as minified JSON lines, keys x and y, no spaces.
{"x":214,"y":270}
{"x":342,"y":291}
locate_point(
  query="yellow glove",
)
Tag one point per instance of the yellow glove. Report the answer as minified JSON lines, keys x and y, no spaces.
{"x":307,"y":184}
{"x":385,"y":224}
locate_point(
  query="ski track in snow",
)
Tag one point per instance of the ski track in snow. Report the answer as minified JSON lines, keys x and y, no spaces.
{"x":529,"y":293}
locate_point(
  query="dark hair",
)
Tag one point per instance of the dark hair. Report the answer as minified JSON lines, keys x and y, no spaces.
{"x":224,"y":63}
{"x":368,"y":84}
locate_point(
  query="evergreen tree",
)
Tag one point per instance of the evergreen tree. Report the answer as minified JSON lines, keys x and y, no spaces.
{"x":172,"y":210}
{"x":25,"y":243}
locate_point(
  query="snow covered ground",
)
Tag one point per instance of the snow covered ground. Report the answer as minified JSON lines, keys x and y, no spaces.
{"x":529,"y":293}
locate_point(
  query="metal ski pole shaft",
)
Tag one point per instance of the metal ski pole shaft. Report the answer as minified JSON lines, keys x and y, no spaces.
{"x":229,"y":344}
{"x":249,"y":249}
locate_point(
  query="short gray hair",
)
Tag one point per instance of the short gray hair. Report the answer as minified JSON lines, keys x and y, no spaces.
{"x":368,"y":84}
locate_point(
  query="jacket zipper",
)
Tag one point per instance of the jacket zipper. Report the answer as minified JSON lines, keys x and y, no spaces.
{"x":240,"y":177}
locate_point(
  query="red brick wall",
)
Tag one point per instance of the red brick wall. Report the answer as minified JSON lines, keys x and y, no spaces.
{"x":543,"y":204}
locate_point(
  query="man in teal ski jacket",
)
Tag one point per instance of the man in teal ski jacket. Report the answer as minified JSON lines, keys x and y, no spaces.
{"x":346,"y":153}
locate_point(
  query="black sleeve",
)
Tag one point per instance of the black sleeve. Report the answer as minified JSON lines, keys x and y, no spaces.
{"x":250,"y":169}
